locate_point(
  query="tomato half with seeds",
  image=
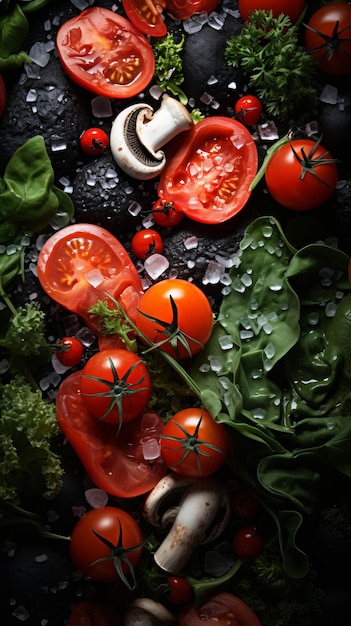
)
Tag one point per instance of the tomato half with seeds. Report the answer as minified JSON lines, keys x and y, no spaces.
{"x":115,"y":386}
{"x":175,"y":315}
{"x":301,"y":175}
{"x":105,"y":53}
{"x":210,"y":169}
{"x":291,"y":8}
{"x":146,"y":15}
{"x":328,"y":38}
{"x":80,"y":263}
{"x":223,"y":609}
{"x":182,"y":9}
{"x":104,"y":533}
{"x":119,"y":463}
{"x":193,"y":443}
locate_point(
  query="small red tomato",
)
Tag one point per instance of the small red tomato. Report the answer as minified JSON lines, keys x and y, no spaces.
{"x":166,"y":214}
{"x":71,"y":353}
{"x":248,"y":110}
{"x":245,"y":506}
{"x":146,"y":242}
{"x":181,"y":590}
{"x":3,"y":96}
{"x":94,"y":141}
{"x":248,"y":542}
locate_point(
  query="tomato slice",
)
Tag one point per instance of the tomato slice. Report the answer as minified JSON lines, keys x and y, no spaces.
{"x":182,"y":9}
{"x":146,"y":15}
{"x":224,"y":609}
{"x":105,"y":53}
{"x":116,"y":464}
{"x":79,"y":264}
{"x":209,"y":171}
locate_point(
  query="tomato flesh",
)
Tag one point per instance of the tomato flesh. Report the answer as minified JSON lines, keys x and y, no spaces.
{"x":146,"y":15}
{"x":291,"y":8}
{"x":224,"y":609}
{"x":79,"y":264}
{"x":116,"y":464}
{"x":210,"y":171}
{"x":105,"y":53}
{"x":182,"y":9}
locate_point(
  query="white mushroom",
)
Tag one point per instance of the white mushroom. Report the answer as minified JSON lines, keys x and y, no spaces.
{"x":202,"y":515}
{"x":138,"y":133}
{"x":147,"y":612}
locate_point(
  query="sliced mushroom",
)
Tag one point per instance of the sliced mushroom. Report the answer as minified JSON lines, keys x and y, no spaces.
{"x":138,"y":134}
{"x":202,"y":515}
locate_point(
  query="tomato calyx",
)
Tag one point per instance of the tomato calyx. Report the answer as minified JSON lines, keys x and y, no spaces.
{"x":118,"y":388}
{"x":309,"y":164}
{"x":118,"y":556}
{"x":191,"y":444}
{"x":175,"y":335}
{"x":332,"y":43}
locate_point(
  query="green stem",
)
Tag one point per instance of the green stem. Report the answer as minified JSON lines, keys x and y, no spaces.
{"x":261,"y":172}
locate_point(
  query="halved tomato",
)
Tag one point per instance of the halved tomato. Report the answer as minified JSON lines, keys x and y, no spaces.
{"x":79,"y":264}
{"x":146,"y":15}
{"x":105,"y":53}
{"x":182,"y":9}
{"x":117,"y":462}
{"x":210,"y":169}
{"x":224,"y":609}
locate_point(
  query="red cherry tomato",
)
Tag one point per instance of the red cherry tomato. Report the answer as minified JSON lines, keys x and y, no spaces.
{"x":328,"y":38}
{"x":116,"y":464}
{"x":177,"y":315}
{"x":248,"y":109}
{"x":105,"y":53}
{"x":94,"y":141}
{"x":115,"y":386}
{"x":146,"y":15}
{"x":193,"y":443}
{"x":89,"y":551}
{"x":248,"y":542}
{"x":301,"y":175}
{"x":80,"y":263}
{"x":146,"y":242}
{"x":3,"y":96}
{"x":181,"y":590}
{"x":291,"y":8}
{"x":72,"y":351}
{"x":183,"y":9}
{"x":210,"y":169}
{"x":223,"y":609}
{"x":245,"y":506}
{"x":166,"y":214}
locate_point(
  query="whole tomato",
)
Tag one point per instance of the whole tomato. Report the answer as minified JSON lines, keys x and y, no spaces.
{"x":94,"y":141}
{"x":115,"y":386}
{"x":175,"y":315}
{"x":248,"y":542}
{"x":146,"y":242}
{"x":291,"y":8}
{"x":301,"y":175}
{"x":328,"y":38}
{"x":106,"y":545}
{"x":248,"y":109}
{"x":71,"y":353}
{"x":166,"y":214}
{"x":193,"y":443}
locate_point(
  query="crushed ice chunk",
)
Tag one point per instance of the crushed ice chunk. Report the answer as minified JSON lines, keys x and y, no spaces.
{"x":216,"y":20}
{"x":226,"y":342}
{"x":21,"y":613}
{"x":329,"y":94}
{"x":212,"y":80}
{"x":32,"y":95}
{"x":101,"y":107}
{"x":191,"y":242}
{"x":41,"y":558}
{"x":155,"y":92}
{"x":85,"y":336}
{"x":58,"y":143}
{"x":155,"y":265}
{"x":150,"y":448}
{"x":97,"y":498}
{"x":94,"y":278}
{"x":268,"y":131}
{"x":311,"y":128}
{"x":213,"y":274}
{"x":206,"y":98}
{"x":38,"y":54}
{"x":80,"y":4}
{"x":32,"y":70}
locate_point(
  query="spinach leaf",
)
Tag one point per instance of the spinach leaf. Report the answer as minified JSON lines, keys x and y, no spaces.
{"x":13,"y":30}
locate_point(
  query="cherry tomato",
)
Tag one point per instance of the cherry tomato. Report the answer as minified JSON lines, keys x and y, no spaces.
{"x":72,"y":351}
{"x":182,"y":9}
{"x":146,"y":242}
{"x":88,"y":549}
{"x":210,"y":169}
{"x":92,"y":613}
{"x":223,"y":609}
{"x":248,"y":109}
{"x":301,"y":175}
{"x":328,"y":38}
{"x":245,"y":505}
{"x":176,"y":315}
{"x":116,"y":464}
{"x":166,"y":214}
{"x":115,"y":386}
{"x":94,"y":141}
{"x":193,"y":443}
{"x":248,"y":542}
{"x":105,"y":53}
{"x":291,"y":8}
{"x":3,"y":96}
{"x":146,"y":15}
{"x":181,"y":590}
{"x":80,"y":263}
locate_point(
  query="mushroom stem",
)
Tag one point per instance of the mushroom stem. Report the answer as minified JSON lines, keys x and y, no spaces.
{"x":170,"y":120}
{"x":198,"y":509}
